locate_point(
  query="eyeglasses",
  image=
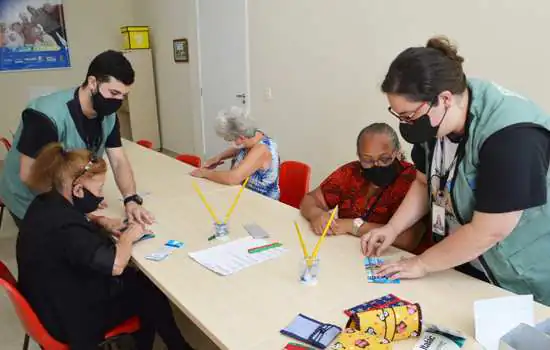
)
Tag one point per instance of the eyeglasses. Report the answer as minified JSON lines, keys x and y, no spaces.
{"x":384,"y":160}
{"x":407,"y":117}
{"x":87,"y":167}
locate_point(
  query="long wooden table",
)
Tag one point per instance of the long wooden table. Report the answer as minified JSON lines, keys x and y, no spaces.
{"x":245,"y":311}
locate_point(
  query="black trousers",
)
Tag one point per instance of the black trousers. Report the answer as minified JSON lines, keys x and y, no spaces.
{"x":133,"y":294}
{"x":139,"y":296}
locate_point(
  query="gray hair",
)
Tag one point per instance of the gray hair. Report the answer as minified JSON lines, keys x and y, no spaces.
{"x":235,"y":122}
{"x":382,"y":128}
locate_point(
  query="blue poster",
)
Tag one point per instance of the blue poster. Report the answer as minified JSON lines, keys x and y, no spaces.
{"x":32,"y":35}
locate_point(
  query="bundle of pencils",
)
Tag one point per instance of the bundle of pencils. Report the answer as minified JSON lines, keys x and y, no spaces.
{"x":209,"y":208}
{"x":309,"y":259}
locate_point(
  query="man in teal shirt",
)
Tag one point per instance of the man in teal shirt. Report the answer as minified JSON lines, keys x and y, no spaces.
{"x":82,"y":117}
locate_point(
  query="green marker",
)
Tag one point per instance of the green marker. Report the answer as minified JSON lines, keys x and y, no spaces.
{"x":264,"y":248}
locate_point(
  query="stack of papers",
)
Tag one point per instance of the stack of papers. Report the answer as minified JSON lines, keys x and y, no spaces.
{"x":228,"y":258}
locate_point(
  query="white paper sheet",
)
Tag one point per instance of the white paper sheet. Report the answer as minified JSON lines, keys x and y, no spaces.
{"x":496,"y":317}
{"x":228,"y":258}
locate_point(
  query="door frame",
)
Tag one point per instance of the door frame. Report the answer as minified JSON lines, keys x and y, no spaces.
{"x":199,"y":69}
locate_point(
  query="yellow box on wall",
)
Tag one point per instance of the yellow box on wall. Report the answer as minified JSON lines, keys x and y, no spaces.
{"x":135,"y":37}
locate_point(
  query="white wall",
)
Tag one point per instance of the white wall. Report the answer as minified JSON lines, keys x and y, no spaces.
{"x":325,"y":59}
{"x":178,"y":92}
{"x":92,"y":27}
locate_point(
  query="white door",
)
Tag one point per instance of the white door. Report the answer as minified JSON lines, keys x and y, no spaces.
{"x":224,"y":71}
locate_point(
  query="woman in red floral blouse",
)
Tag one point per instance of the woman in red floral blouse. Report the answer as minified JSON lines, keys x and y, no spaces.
{"x":367,"y":191}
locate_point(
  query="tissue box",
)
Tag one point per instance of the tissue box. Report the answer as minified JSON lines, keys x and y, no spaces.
{"x":525,"y":337}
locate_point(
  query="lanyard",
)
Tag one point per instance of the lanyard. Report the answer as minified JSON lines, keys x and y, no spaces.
{"x":371,"y":208}
{"x":379,"y":196}
{"x":444,"y":174}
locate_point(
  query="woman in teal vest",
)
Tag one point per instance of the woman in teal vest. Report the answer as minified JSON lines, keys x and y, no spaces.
{"x":482,"y":152}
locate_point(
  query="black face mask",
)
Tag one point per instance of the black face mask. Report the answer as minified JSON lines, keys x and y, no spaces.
{"x":381,"y":176}
{"x":421,"y":130}
{"x":88,"y":203}
{"x":105,"y":106}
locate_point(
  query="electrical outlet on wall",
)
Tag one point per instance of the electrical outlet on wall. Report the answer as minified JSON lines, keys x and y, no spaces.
{"x":268,"y":94}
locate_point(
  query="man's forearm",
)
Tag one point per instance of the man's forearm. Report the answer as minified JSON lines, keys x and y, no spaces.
{"x":413,"y":208}
{"x":124,"y":178}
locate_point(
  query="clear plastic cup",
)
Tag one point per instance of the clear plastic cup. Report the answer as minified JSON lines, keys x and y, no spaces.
{"x":309,"y":269}
{"x":221,"y":231}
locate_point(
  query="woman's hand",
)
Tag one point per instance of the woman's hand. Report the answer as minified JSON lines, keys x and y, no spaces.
{"x":113,"y":225}
{"x":318,"y":224}
{"x":133,"y":233}
{"x":199,"y":172}
{"x":408,"y":268}
{"x":212,"y":163}
{"x":376,"y":241}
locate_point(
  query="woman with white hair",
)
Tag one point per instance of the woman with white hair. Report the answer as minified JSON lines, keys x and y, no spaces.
{"x":254,"y":155}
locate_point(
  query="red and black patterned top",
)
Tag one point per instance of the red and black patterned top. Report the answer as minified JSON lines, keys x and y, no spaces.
{"x":347,"y":188}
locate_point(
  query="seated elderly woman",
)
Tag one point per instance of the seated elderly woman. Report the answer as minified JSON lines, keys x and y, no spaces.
{"x":254,"y":155}
{"x":74,"y":276}
{"x":367,"y":191}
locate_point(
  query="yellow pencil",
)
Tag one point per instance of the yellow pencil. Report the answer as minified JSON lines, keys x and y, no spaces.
{"x":320,"y":241}
{"x":230,"y":211}
{"x":302,"y":243}
{"x":199,"y":192}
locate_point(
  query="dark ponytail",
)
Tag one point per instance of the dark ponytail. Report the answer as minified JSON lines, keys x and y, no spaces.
{"x":422,"y":73}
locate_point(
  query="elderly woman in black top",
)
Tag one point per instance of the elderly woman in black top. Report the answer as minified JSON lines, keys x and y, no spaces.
{"x":73,"y":275}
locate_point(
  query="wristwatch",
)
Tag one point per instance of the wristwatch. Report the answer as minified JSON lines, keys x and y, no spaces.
{"x":357,"y":223}
{"x":133,"y":198}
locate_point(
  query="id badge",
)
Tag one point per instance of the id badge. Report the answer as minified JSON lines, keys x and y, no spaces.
{"x":438,"y":219}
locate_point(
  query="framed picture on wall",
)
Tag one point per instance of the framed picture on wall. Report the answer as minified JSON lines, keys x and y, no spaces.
{"x":181,"y":50}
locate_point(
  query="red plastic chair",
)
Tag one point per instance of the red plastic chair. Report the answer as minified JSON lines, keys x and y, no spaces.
{"x":34,"y":328}
{"x":6,"y":143}
{"x":145,"y":143}
{"x":190,"y":159}
{"x":294,"y":182}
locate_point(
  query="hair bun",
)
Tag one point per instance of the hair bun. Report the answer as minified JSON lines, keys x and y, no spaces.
{"x":444,"y":45}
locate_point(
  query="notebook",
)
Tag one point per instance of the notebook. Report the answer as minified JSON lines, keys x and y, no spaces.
{"x":226,"y":259}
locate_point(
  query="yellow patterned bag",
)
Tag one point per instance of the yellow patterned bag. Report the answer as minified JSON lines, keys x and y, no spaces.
{"x":389,"y":324}
{"x":353,"y":339}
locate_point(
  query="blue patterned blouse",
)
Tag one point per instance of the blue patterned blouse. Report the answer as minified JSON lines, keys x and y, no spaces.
{"x":264,"y":181}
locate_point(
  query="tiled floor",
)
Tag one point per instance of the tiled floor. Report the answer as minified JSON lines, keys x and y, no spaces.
{"x":11,"y":333}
